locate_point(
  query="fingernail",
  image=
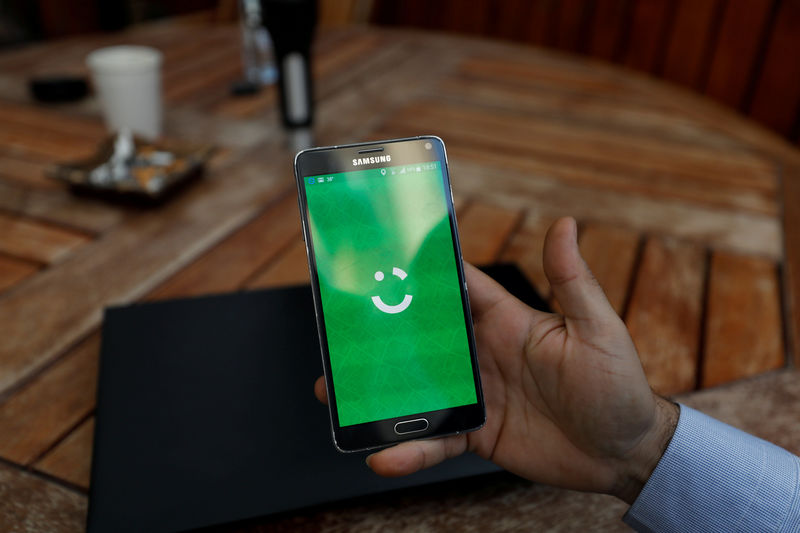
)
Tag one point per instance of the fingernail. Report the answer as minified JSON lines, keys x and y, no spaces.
{"x":369,"y":458}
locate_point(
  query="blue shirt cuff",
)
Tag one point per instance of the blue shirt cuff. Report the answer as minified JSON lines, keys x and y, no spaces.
{"x":713,"y":477}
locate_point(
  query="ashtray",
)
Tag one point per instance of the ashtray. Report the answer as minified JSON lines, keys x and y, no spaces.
{"x":126,"y":167}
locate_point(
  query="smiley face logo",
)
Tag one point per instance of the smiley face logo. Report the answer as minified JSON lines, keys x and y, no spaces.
{"x":392,"y":309}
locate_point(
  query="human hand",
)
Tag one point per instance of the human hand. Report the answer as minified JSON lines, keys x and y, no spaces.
{"x":567,"y":400}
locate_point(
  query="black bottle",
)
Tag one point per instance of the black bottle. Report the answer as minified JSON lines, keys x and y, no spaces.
{"x":291,"y":24}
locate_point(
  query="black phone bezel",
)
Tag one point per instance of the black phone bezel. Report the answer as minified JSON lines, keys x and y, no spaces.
{"x":333,"y":159}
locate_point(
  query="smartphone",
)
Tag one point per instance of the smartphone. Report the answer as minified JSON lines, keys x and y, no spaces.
{"x":392,"y":309}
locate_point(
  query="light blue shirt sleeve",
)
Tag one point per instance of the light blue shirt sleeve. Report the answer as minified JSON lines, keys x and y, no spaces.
{"x":715,"y":478}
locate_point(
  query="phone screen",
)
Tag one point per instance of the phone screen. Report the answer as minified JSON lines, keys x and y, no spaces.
{"x":390,"y":292}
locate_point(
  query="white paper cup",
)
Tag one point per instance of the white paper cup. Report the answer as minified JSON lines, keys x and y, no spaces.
{"x":128,"y":82}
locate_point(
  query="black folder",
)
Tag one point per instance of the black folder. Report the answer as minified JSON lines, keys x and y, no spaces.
{"x":206,"y":415}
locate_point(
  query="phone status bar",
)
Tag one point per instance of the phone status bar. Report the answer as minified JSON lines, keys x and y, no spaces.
{"x":388,"y":171}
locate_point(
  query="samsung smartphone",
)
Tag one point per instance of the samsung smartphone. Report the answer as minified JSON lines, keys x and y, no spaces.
{"x":398,"y":350}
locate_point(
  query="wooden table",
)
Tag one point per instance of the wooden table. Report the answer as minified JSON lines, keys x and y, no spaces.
{"x":688,"y":216}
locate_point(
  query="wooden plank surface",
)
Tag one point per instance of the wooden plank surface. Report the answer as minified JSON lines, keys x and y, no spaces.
{"x":650,"y":24}
{"x":743,"y":330}
{"x":34,"y":241}
{"x":57,"y":208}
{"x":610,"y":252}
{"x":690,"y":40}
{"x":13,"y":270}
{"x":71,"y":460}
{"x":734,"y":59}
{"x":30,"y":503}
{"x":37,"y":416}
{"x":791,"y":270}
{"x":665,"y":311}
{"x":225,"y":267}
{"x":291,"y":268}
{"x":609,"y":25}
{"x":140,"y":253}
{"x":484,"y":231}
{"x":776,"y":101}
{"x":525,"y":250}
{"x":515,"y":188}
{"x":27,"y":171}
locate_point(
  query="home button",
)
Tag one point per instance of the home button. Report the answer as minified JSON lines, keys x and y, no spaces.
{"x":411,"y":426}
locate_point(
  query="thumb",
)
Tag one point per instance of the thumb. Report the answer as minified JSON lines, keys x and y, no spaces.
{"x":582,"y":300}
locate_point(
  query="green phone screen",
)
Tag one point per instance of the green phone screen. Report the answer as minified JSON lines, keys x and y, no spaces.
{"x":390,"y":293}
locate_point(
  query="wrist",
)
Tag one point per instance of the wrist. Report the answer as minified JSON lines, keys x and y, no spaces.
{"x":644,"y":457}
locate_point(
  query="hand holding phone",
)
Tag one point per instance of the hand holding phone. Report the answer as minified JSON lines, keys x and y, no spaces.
{"x":392,"y":309}
{"x":567,"y":401}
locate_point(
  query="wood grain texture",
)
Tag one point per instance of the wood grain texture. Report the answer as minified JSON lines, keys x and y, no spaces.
{"x":650,"y":25}
{"x":13,"y":270}
{"x":525,"y":250}
{"x":610,"y":252}
{"x":690,"y":39}
{"x":30,"y":172}
{"x":513,"y":188}
{"x":609,"y":25}
{"x":484,"y":231}
{"x":617,"y":160}
{"x":29,"y":503}
{"x":734,"y":57}
{"x":509,"y":19}
{"x":776,"y":101}
{"x":43,"y":411}
{"x":665,"y":311}
{"x":291,"y":268}
{"x":34,"y":241}
{"x":140,"y":253}
{"x":791,"y":271}
{"x":227,"y":266}
{"x":71,"y":460}
{"x":744,"y":333}
{"x":572,"y":24}
{"x":57,"y":207}
{"x":541,"y":22}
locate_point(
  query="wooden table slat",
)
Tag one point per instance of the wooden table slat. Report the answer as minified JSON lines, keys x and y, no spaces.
{"x":14,"y":270}
{"x":734,"y":230}
{"x":141,"y":252}
{"x":20,"y":170}
{"x":667,"y":335}
{"x":39,"y":414}
{"x":227,"y":266}
{"x":743,"y":333}
{"x":58,"y":207}
{"x":610,"y":252}
{"x":34,"y":241}
{"x":609,"y":113}
{"x":291,"y":268}
{"x":49,"y":121}
{"x":30,"y":503}
{"x":484,"y":231}
{"x":624,"y":150}
{"x":525,"y":250}
{"x":791,"y":269}
{"x":71,"y":460}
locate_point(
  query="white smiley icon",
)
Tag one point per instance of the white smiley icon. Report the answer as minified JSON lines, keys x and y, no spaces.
{"x":392,"y":309}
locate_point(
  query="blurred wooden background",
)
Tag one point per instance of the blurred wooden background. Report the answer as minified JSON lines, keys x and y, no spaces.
{"x":742,"y":53}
